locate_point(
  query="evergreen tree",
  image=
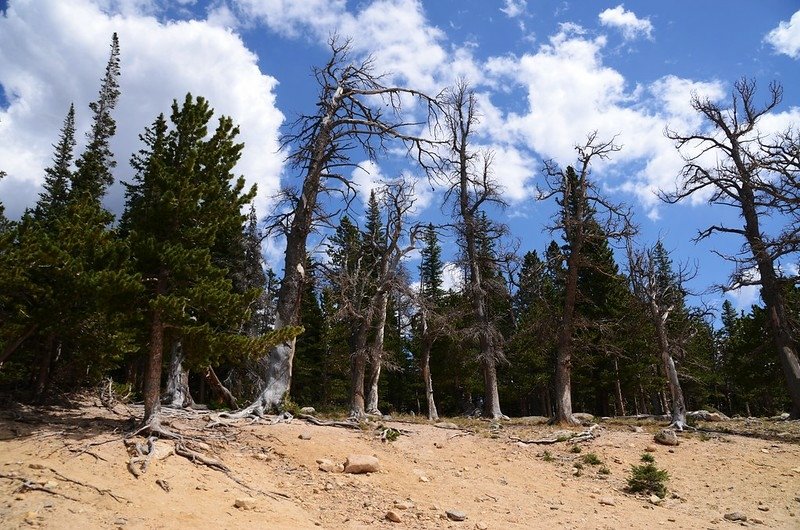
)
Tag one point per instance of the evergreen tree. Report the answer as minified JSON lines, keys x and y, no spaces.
{"x":182,"y":196}
{"x":431,"y":269}
{"x":53,"y":199}
{"x":95,"y":164}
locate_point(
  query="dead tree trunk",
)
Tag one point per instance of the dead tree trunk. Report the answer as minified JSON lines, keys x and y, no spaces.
{"x":427,"y":346}
{"x":177,"y":393}
{"x":345,"y":119}
{"x":376,"y":355}
{"x":219,"y":390}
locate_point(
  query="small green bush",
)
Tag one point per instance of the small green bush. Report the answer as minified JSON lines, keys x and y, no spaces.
{"x":575,"y":449}
{"x":604,"y":470}
{"x":647,"y":458}
{"x":647,"y":478}
{"x":592,"y":459}
{"x":547,"y":457}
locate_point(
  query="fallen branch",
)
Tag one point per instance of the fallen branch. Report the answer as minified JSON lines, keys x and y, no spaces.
{"x":90,"y":486}
{"x":573,"y":438}
{"x":194,"y":456}
{"x":29,"y":485}
{"x":347,"y":424}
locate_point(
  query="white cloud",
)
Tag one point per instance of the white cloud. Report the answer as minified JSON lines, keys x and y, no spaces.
{"x":571,"y":92}
{"x":514,"y":8}
{"x":627,"y":22}
{"x":786,"y":37}
{"x":53,"y":53}
{"x":452,"y":277}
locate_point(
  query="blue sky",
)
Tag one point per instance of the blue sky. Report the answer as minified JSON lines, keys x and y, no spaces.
{"x":548,"y":73}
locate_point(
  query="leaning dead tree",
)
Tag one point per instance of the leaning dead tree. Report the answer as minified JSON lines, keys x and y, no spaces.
{"x":740,"y":166}
{"x":470,"y":188}
{"x":661,"y":291}
{"x":580,"y":205}
{"x":356,"y":112}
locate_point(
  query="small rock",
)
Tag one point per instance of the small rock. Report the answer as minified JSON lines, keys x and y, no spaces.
{"x":666,"y":437}
{"x":455,"y":515}
{"x":262,"y":457}
{"x":446,"y":425}
{"x":764,"y":508}
{"x":308,"y":410}
{"x":305,"y":436}
{"x":636,"y":428}
{"x":330,"y":467}
{"x":481,"y":526}
{"x":51,"y":484}
{"x":438,"y":445}
{"x":36,"y":465}
{"x":735,"y":516}
{"x":361,"y":464}
{"x":245,"y":503}
{"x":393,"y":516}
{"x":650,"y":448}
{"x":423,"y":478}
{"x":161,"y":450}
{"x":655,"y":499}
{"x":756,"y":520}
{"x":403,"y":505}
{"x":583,"y":417}
{"x":328,"y":486}
{"x":607,"y":501}
{"x":120,"y":522}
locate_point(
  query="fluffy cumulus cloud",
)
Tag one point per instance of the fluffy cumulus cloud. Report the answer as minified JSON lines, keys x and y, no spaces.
{"x":631,"y":26}
{"x":53,"y":53}
{"x":786,"y":37}
{"x":571,"y":93}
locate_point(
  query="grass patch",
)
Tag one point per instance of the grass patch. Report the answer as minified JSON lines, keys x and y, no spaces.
{"x":547,"y":457}
{"x":575,"y":449}
{"x":591,"y":459}
{"x":604,"y":470}
{"x":647,"y":458}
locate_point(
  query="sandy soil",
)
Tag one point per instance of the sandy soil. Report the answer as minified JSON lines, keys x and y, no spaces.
{"x":77,"y":459}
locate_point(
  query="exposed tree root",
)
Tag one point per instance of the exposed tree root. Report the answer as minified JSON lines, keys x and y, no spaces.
{"x":140,"y":455}
{"x":574,"y":438}
{"x":347,"y":424}
{"x":181,"y":449}
{"x":29,"y":485}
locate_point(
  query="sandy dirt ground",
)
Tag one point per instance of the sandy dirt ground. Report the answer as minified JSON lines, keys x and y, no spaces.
{"x":69,"y":468}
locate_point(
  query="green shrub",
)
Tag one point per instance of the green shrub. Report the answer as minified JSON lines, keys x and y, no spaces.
{"x":575,"y":449}
{"x":604,"y":470}
{"x":647,"y":478}
{"x":547,"y":457}
{"x":647,"y":458}
{"x":592,"y":459}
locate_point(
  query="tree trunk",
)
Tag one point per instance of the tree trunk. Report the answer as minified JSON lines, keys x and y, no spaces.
{"x":220,"y":391}
{"x":618,"y":389}
{"x":433,"y":414}
{"x":152,"y":378}
{"x":45,"y":365}
{"x":564,"y":353}
{"x":772,"y":295}
{"x":12,"y":346}
{"x":376,"y":355}
{"x":358,"y":364}
{"x":177,"y":393}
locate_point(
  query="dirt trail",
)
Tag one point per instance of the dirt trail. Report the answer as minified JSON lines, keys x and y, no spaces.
{"x":496,"y":482}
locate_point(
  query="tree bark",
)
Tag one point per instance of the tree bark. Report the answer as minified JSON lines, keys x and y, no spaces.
{"x":177,"y":393}
{"x":376,"y":355}
{"x":773,"y":297}
{"x":219,"y":389}
{"x":152,"y":380}
{"x":564,"y":353}
{"x":358,"y":364}
{"x":618,"y":389}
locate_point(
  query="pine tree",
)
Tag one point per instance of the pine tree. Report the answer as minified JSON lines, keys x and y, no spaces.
{"x":431,"y":266}
{"x":53,"y":199}
{"x":182,"y":197}
{"x":95,"y":164}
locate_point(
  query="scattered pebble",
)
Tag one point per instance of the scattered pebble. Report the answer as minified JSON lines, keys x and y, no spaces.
{"x":655,"y":499}
{"x":403,"y":505}
{"x":393,"y":516}
{"x":650,"y":448}
{"x":481,"y":526}
{"x":361,"y":464}
{"x":666,"y":437}
{"x":245,"y":503}
{"x":607,"y":501}
{"x":735,"y":516}
{"x":305,"y":436}
{"x":455,"y":515}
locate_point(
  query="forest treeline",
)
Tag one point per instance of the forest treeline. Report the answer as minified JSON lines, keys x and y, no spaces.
{"x":172,"y":299}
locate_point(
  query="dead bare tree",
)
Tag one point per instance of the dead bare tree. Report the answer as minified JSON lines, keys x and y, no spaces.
{"x":470,"y":188}
{"x":739,"y":166}
{"x":662,"y":292}
{"x":580,"y":203}
{"x":355,"y":111}
{"x":364,"y":287}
